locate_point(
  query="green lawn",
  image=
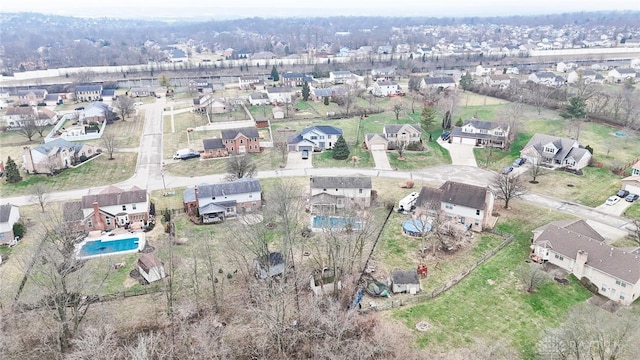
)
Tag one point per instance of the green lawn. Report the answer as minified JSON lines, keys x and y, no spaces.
{"x":413,"y":160}
{"x":325,"y":159}
{"x":633,"y":211}
{"x":268,"y":159}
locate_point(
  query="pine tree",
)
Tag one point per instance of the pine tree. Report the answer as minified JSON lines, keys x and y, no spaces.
{"x":13,"y":174}
{"x":428,"y":118}
{"x":274,"y":74}
{"x":305,"y":91}
{"x":466,"y":81}
{"x":326,"y":100}
{"x":341,"y":149}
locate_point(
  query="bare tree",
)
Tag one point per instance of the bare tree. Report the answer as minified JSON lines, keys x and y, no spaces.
{"x":508,"y":187}
{"x":125,"y":105}
{"x":29,"y":128}
{"x":539,"y":95}
{"x":532,"y":276}
{"x":401,"y":146}
{"x":240,"y":166}
{"x":40,"y":193}
{"x":635,"y":232}
{"x":512,"y":119}
{"x":110,"y":143}
{"x":536,"y":169}
{"x":99,"y":343}
{"x":397,"y":109}
{"x":280,"y":143}
{"x":590,"y":332}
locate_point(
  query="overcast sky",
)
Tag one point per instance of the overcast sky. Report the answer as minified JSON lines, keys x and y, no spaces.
{"x":162,"y":9}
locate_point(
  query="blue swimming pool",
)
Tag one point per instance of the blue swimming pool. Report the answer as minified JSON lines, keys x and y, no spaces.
{"x":336,"y":222}
{"x":100,"y":247}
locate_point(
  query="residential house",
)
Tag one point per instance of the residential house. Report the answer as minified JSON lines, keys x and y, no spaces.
{"x":482,"y":71}
{"x":500,"y":81}
{"x":32,"y":97}
{"x":263,"y":55}
{"x":632,"y":183}
{"x":547,"y":78}
{"x":178,"y":56}
{"x":212,"y":203}
{"x":589,"y":76}
{"x":387,"y":73}
{"x":281,"y":94}
{"x":214,"y":148}
{"x":477,"y":132}
{"x":84,"y":93}
{"x":259,"y":99}
{"x":385,"y":49}
{"x":456,"y":202}
{"x":47,"y":116}
{"x":114,"y":207}
{"x":208,"y":103}
{"x":54,"y":99}
{"x":343,"y":77}
{"x":405,"y":282}
{"x":402,"y":133}
{"x":151,"y":268}
{"x":15,"y":116}
{"x":293,"y":79}
{"x":439,"y":83}
{"x":97,"y":112}
{"x":277,"y":112}
{"x":635,"y":169}
{"x":142,"y":91}
{"x":319,"y":94}
{"x":376,"y":142}
{"x":319,"y":137}
{"x":576,"y":247}
{"x":249,"y":82}
{"x":556,"y":152}
{"x":9,"y":215}
{"x":386,"y":88}
{"x":109,"y":94}
{"x":267,"y":266}
{"x":241,"y":141}
{"x":564,"y":67}
{"x":332,"y":193}
{"x":622,"y":74}
{"x":55,"y":156}
{"x":199,"y":86}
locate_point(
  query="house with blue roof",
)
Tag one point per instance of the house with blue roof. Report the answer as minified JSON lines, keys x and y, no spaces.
{"x":213,"y":203}
{"x":314,"y":138}
{"x":54,"y":156}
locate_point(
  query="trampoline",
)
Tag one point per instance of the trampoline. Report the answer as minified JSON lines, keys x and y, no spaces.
{"x":415,"y":227}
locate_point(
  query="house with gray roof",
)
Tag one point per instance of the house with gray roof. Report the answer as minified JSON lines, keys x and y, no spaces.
{"x":88,"y":93}
{"x":113,"y":207}
{"x":576,"y":247}
{"x":438,"y":83}
{"x":556,"y":152}
{"x":480,"y":133}
{"x":280,"y":94}
{"x":212,"y":203}
{"x":319,"y":94}
{"x":214,"y":148}
{"x":329,"y":194}
{"x":547,"y":78}
{"x":314,"y":138}
{"x":9,"y":215}
{"x":259,"y":98}
{"x":402,"y":133}
{"x":32,"y":97}
{"x":466,"y":204}
{"x":55,"y":156}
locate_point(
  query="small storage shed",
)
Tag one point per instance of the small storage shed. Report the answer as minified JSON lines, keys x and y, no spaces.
{"x":269,"y":265}
{"x":405,"y":281}
{"x":150,"y":268}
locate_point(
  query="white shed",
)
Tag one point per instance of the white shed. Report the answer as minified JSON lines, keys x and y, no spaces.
{"x":151,"y":268}
{"x":405,"y":281}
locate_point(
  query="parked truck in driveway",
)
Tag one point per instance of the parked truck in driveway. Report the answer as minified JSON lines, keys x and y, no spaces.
{"x":184,"y":154}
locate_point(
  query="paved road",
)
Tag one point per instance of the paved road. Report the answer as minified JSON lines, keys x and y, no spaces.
{"x":149,"y":176}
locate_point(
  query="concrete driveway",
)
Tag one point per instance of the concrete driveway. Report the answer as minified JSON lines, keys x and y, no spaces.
{"x":461,"y":154}
{"x":381,"y":160}
{"x":616,"y":209}
{"x":295,"y":161}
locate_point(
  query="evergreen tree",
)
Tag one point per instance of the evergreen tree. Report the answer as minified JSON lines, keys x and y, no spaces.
{"x":13,"y":174}
{"x":576,"y":109}
{"x":305,"y":91}
{"x":326,"y":100}
{"x":341,"y":149}
{"x":274,"y":74}
{"x":466,"y":81}
{"x":428,"y":118}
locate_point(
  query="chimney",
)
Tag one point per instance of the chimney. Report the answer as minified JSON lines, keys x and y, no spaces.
{"x":98,"y":224}
{"x":195,"y":190}
{"x":581,"y":260}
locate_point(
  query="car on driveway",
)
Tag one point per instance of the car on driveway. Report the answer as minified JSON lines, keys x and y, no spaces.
{"x":79,"y":108}
{"x":445,"y":135}
{"x":189,"y":155}
{"x":612,"y":200}
{"x":305,"y":154}
{"x":507,"y":170}
{"x":622,"y":193}
{"x":519,"y":161}
{"x":632,"y":197}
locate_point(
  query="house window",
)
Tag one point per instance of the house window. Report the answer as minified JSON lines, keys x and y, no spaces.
{"x":462,"y":219}
{"x":250,"y":195}
{"x":229,"y":210}
{"x":89,"y":223}
{"x":241,"y":141}
{"x":603,"y":288}
{"x":448,"y":206}
{"x":108,"y":221}
{"x":133,"y":206}
{"x":621,"y":283}
{"x":621,"y":296}
{"x":2,"y":236}
{"x":483,"y":131}
{"x":360,"y":191}
{"x":559,"y":257}
{"x":314,"y":137}
{"x":124,"y":207}
{"x":213,"y":198}
{"x":336,"y":190}
{"x":324,"y":189}
{"x":477,"y":212}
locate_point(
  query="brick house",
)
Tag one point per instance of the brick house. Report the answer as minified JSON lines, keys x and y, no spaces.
{"x":32,"y":97}
{"x":241,"y":141}
{"x":214,"y":148}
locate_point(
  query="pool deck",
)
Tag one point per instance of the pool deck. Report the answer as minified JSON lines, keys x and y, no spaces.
{"x":116,"y":234}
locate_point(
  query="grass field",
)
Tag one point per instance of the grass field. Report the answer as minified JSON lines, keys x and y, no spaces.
{"x":268,"y":159}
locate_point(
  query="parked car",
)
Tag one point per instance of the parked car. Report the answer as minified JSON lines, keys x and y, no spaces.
{"x":507,"y":170}
{"x":445,"y":135}
{"x":305,"y":154}
{"x":190,"y":155}
{"x":632,"y":197}
{"x":519,"y":161}
{"x":622,"y":193}
{"x":612,"y":200}
{"x":79,"y":108}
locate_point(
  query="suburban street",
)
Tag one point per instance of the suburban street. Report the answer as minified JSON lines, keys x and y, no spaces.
{"x":148,"y":175}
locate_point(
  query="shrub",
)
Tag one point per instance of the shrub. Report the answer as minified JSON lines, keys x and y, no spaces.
{"x":83,"y":158}
{"x":415,"y":146}
{"x":18,"y":229}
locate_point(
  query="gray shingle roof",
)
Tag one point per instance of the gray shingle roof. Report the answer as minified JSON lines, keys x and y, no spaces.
{"x":479,"y":124}
{"x":212,"y":144}
{"x":327,"y":129}
{"x":569,"y":240}
{"x":393,"y":129}
{"x":464,"y":194}
{"x":405,"y":277}
{"x":229,"y":134}
{"x":115,"y":196}
{"x":439,"y":80}
{"x":341,"y":182}
{"x":279,"y":90}
{"x":57,"y":143}
{"x":241,"y":186}
{"x":89,"y":88}
{"x":5,"y":212}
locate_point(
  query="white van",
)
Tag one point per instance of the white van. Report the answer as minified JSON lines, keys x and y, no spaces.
{"x":181,"y":153}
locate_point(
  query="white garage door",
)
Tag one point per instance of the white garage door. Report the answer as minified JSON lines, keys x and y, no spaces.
{"x":633,"y":189}
{"x":378,"y":147}
{"x":468,"y":141}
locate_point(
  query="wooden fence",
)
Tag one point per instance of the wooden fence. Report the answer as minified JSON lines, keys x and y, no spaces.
{"x":427,"y":296}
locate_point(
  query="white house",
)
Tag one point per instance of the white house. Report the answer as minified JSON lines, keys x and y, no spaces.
{"x":387,"y":73}
{"x":330,"y":193}
{"x":546,"y":78}
{"x":621,"y":74}
{"x":319,"y":137}
{"x":280,"y":94}
{"x":213,"y":203}
{"x":259,"y":99}
{"x":576,"y":247}
{"x":632,"y":183}
{"x":9,"y":215}
{"x":386,"y":88}
{"x":151,"y":268}
{"x":482,"y":71}
{"x":439,"y":83}
{"x":589,"y":76}
{"x":477,"y":132}
{"x":556,"y":152}
{"x":466,"y":204}
{"x":344,"y":77}
{"x":500,"y":80}
{"x":402,"y":133}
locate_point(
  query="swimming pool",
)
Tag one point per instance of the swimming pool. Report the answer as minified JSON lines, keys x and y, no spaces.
{"x":335,"y":222}
{"x":110,"y":245}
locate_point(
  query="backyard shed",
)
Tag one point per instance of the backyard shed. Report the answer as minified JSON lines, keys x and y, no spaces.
{"x":269,"y":265}
{"x":151,"y":268}
{"x":405,"y":281}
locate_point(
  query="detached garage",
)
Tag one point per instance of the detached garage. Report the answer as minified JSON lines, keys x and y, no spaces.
{"x":631,"y":184}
